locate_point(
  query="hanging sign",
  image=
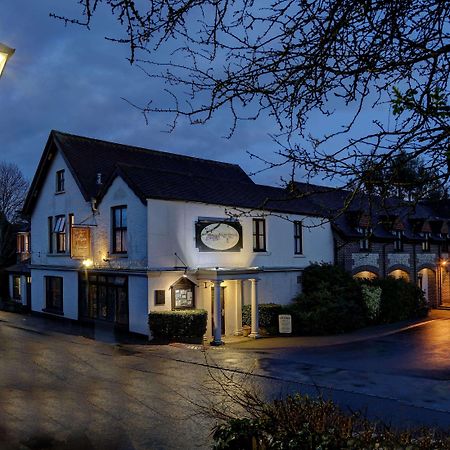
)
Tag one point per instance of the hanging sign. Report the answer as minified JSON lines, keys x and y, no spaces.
{"x":80,"y":242}
{"x":218,"y":236}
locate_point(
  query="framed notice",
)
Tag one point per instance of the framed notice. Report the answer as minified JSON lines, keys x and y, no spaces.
{"x":285,"y":324}
{"x":80,"y":242}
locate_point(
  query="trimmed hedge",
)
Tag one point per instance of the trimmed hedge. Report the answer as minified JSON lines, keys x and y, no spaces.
{"x":186,"y":325}
{"x":268,"y":317}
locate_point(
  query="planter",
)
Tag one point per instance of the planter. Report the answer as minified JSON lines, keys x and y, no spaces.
{"x":246,"y":330}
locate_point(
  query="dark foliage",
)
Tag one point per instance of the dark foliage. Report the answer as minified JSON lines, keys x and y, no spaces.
{"x":268,"y":317}
{"x":189,"y":325}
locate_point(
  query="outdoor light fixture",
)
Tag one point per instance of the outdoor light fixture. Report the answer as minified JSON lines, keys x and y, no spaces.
{"x":5,"y":53}
{"x":87,"y":263}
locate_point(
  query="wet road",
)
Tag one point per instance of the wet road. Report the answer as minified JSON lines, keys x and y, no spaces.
{"x":94,"y":393}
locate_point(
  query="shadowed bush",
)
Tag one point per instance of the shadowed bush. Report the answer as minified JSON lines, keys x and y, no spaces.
{"x":268,"y":317}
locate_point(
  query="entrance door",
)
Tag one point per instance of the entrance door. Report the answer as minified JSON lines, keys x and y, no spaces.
{"x":222,"y":307}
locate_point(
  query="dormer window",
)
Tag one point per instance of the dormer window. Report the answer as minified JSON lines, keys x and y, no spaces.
{"x":364,"y":242}
{"x":398,"y":241}
{"x":426,"y":241}
{"x":60,"y":181}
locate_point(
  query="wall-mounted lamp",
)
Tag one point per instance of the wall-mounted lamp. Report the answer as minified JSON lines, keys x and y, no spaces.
{"x":88,"y":263}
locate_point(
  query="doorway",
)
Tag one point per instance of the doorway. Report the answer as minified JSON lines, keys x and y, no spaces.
{"x":222,"y":307}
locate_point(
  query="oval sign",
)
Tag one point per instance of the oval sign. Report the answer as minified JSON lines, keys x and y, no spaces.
{"x":219,"y":236}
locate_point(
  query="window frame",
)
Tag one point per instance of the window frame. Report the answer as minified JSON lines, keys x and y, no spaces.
{"x":364,"y":241}
{"x":398,"y":241}
{"x":123,"y":230}
{"x":60,"y":181}
{"x":158,"y":293}
{"x":298,"y":237}
{"x":16,"y":289}
{"x":60,"y":232}
{"x":426,"y":247}
{"x":258,"y":234}
{"x":50,"y":303}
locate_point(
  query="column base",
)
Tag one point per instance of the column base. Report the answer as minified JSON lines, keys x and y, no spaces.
{"x":254,"y":335}
{"x":238,"y":333}
{"x":215,"y":343}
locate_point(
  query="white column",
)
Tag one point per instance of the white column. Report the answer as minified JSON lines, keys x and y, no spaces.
{"x":238,"y":317}
{"x":217,"y":332}
{"x":255,"y":313}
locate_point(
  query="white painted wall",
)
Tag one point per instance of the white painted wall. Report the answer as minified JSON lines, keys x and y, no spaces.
{"x":171,"y":229}
{"x":137,"y":304}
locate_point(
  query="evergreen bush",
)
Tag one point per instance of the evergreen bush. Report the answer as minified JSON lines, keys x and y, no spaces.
{"x":268,"y":317}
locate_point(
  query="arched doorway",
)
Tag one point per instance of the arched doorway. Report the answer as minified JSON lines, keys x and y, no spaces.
{"x":426,"y":280}
{"x":399,"y":274}
{"x":365,"y":275}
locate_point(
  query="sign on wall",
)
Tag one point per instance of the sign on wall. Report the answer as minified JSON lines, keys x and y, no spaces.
{"x":285,"y":323}
{"x":218,"y":236}
{"x":80,"y":242}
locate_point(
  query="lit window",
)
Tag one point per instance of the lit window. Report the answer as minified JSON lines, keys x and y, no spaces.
{"x":60,"y":181}
{"x":60,"y":233}
{"x":298,"y":237}
{"x":259,"y":235}
{"x":17,"y":290}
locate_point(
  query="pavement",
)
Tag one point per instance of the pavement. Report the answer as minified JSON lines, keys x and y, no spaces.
{"x":81,"y":389}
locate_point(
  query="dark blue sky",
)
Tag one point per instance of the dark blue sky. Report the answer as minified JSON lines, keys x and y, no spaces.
{"x":73,"y":80}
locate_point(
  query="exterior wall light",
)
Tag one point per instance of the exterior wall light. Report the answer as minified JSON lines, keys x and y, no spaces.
{"x":5,"y":53}
{"x":88,"y":263}
{"x":443,"y":262}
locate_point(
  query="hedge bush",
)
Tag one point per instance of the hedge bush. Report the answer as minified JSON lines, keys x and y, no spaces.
{"x":186,"y":325}
{"x":400,"y":300}
{"x":331,"y":302}
{"x":268,"y":317}
{"x":300,"y":422}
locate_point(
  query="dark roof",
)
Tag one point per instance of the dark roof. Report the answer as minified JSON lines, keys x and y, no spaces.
{"x":157,"y":174}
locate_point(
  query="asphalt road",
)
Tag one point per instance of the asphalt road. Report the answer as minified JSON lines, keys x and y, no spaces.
{"x":97,"y":394}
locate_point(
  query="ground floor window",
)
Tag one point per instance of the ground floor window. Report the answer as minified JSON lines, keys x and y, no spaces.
{"x":17,"y":291}
{"x":104,"y":298}
{"x":54,"y":294}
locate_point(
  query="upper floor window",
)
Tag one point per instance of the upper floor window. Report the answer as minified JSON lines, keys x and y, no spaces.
{"x":119,"y":229}
{"x":259,"y":235}
{"x":298,"y":237}
{"x":426,"y":242}
{"x":60,"y":181}
{"x":364,"y":242}
{"x":23,"y":243}
{"x":398,"y":241}
{"x":60,"y":234}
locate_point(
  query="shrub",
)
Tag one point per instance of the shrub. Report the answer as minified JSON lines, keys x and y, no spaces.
{"x":185,"y":325}
{"x":268,"y":316}
{"x":372,"y":299}
{"x":331,"y":302}
{"x":300,"y":422}
{"x":400,"y":300}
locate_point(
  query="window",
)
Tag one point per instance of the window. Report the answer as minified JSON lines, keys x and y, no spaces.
{"x":259,"y":235}
{"x":426,"y":242}
{"x":298,"y":237}
{"x":60,"y":233}
{"x":398,"y":241}
{"x":60,"y":181}
{"x":160,"y":297}
{"x":119,"y":229}
{"x":23,"y":243}
{"x":54,"y":294}
{"x":17,"y":291}
{"x":364,"y":242}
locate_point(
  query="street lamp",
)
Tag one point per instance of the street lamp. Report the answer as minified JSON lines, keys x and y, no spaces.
{"x":5,"y":53}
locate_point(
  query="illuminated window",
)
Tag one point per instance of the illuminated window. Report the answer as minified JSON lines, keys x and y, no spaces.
{"x":17,"y":290}
{"x":60,"y":233}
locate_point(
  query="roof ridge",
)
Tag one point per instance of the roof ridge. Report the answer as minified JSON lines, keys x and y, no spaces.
{"x":146,"y":150}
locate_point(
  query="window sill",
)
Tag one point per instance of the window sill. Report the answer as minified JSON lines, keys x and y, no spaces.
{"x":59,"y":254}
{"x":262,"y":252}
{"x":60,"y":192}
{"x":54,"y":312}
{"x":299,"y":255}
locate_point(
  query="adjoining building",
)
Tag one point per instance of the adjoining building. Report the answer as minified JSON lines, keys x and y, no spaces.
{"x":119,"y":231}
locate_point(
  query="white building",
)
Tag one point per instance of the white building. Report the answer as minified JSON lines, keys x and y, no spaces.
{"x":118,"y":231}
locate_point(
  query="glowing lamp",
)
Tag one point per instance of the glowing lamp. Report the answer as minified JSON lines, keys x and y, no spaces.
{"x":444,"y":262}
{"x":87,"y":263}
{"x":5,"y":53}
